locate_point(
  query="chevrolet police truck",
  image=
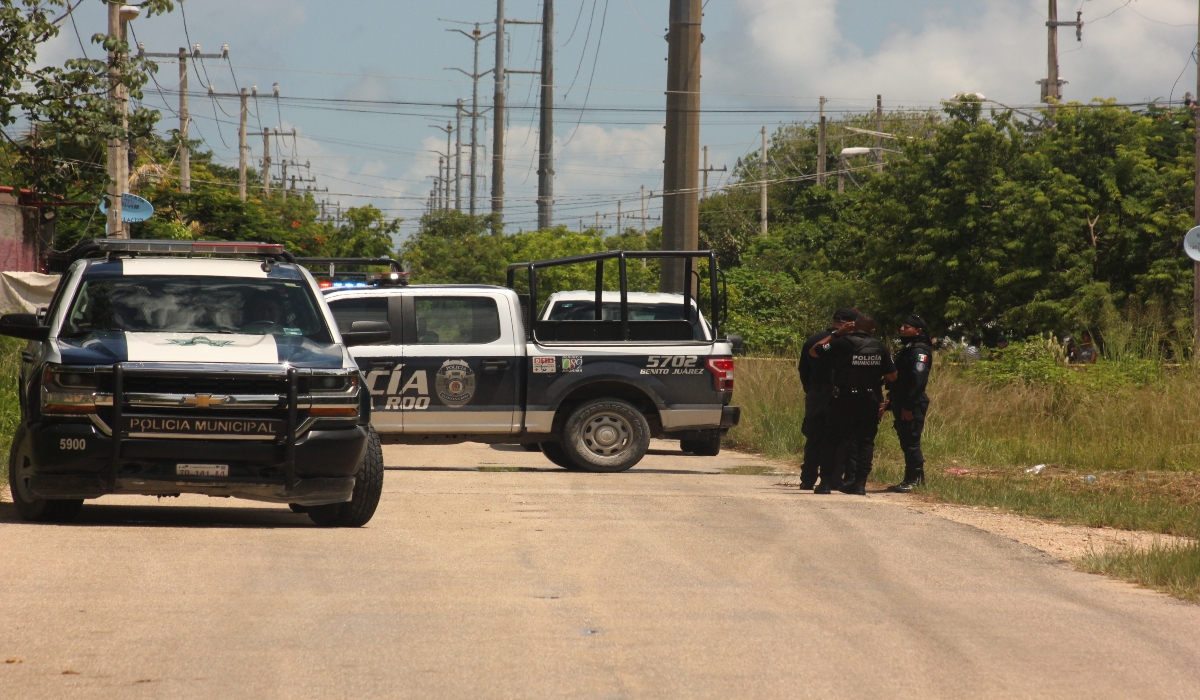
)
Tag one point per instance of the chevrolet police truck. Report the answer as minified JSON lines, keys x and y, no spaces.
{"x":165,"y":367}
{"x":589,"y":379}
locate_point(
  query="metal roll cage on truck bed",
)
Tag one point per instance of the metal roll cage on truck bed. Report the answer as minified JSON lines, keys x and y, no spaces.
{"x":599,"y":330}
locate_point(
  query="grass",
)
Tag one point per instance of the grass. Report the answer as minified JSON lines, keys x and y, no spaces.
{"x":10,"y":407}
{"x":1173,"y":570}
{"x":1134,"y":430}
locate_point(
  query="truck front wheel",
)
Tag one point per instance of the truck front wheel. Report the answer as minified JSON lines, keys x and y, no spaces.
{"x":368,"y":486}
{"x":29,"y":506}
{"x":606,"y":435}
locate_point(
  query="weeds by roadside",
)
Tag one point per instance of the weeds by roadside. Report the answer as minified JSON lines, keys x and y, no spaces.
{"x":10,"y":407}
{"x":1174,"y":570}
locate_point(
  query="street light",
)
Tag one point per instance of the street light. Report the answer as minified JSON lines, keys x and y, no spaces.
{"x":842,"y":156}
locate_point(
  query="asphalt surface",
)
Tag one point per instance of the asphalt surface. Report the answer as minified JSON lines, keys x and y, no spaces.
{"x":673,"y":580}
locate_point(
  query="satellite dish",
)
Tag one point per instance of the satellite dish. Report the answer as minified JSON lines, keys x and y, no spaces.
{"x":1191,"y":244}
{"x":133,"y":208}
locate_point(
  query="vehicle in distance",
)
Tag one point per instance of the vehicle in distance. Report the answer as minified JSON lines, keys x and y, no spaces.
{"x":164,"y":367}
{"x":464,"y":363}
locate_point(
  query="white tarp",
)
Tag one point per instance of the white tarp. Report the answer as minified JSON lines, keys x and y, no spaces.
{"x":26,"y":291}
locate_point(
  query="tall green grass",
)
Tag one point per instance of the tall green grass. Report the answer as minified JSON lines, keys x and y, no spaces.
{"x":10,"y":407}
{"x":1174,"y":570}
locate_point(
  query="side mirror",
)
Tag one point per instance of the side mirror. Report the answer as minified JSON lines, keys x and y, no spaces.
{"x":367,"y":333}
{"x":739,"y":345}
{"x":23,"y":326}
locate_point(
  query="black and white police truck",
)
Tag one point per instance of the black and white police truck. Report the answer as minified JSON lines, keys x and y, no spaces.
{"x":588,"y":381}
{"x":167,"y":367}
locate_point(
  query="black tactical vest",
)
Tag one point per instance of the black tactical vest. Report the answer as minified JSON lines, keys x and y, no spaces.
{"x":863,"y":367}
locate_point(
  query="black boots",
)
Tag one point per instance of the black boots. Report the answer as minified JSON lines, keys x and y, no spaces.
{"x":822,"y":487}
{"x":912,"y":479}
{"x":855,"y":488}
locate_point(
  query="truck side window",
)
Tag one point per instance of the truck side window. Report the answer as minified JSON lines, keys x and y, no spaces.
{"x":457,"y":320}
{"x":347,"y":311}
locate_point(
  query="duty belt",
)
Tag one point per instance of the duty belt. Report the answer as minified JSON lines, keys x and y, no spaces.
{"x":840,"y":390}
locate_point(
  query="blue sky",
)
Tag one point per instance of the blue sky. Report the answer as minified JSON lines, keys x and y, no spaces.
{"x":758,"y":54}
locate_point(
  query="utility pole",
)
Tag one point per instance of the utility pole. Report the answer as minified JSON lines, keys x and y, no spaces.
{"x":705,"y":171}
{"x":879,"y":135}
{"x":762,"y":186}
{"x":681,"y":165}
{"x":458,"y":156}
{"x":185,"y":162}
{"x":546,"y":129}
{"x":119,"y":16}
{"x":1052,"y":85}
{"x":242,"y":146}
{"x":498,"y":123}
{"x":1196,"y":214}
{"x":821,"y":144}
{"x":474,"y":75}
{"x":644,"y":205}
{"x":266,"y":167}
{"x":618,"y":217}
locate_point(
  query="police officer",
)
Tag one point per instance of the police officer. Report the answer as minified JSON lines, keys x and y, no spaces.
{"x":907,"y":398}
{"x":816,"y":376}
{"x":860,"y":365}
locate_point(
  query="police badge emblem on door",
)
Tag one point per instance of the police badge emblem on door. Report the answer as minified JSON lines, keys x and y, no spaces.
{"x":455,"y":383}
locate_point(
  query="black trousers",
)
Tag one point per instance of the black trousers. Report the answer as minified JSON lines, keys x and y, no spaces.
{"x":816,"y":432}
{"x":909,"y":432}
{"x":854,"y":419}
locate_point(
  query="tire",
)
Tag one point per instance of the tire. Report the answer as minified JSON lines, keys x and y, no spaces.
{"x":555,"y":453}
{"x":368,"y":486}
{"x":702,"y":448}
{"x":531,"y":447}
{"x":606,"y":435}
{"x":297,"y":508}
{"x":29,"y":506}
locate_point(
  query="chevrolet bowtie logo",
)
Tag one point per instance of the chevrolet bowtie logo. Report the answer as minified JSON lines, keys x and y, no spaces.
{"x":206,"y":400}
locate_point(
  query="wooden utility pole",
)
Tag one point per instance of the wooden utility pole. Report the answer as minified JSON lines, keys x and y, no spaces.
{"x":458,"y":156}
{"x":185,"y":151}
{"x":119,"y":15}
{"x":879,"y":134}
{"x":1052,"y":85}
{"x":821,"y":144}
{"x":762,"y":186}
{"x":546,"y":129}
{"x":266,"y":166}
{"x":498,"y":123}
{"x":681,"y":169}
{"x":705,"y":171}
{"x":243,"y":147}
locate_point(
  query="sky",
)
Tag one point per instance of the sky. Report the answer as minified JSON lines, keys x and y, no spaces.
{"x":366,"y":84}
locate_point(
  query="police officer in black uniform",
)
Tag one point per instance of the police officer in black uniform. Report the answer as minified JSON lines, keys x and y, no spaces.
{"x":816,"y":376}
{"x":907,"y":398}
{"x":860,"y":365}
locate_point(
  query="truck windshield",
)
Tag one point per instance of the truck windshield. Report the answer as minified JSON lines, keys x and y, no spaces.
{"x":199,"y":304}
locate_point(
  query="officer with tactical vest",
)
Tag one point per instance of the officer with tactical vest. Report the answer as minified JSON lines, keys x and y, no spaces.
{"x":907,"y":398}
{"x":860,"y":365}
{"x":816,"y":376}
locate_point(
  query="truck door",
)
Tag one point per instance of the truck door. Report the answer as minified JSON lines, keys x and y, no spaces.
{"x":380,"y":363}
{"x":461,"y":364}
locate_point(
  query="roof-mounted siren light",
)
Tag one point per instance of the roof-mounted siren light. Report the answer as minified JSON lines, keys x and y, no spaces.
{"x":225,"y":51}
{"x":196,"y":50}
{"x":275,"y":89}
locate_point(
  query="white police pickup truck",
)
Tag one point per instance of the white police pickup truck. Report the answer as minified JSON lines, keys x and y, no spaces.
{"x":591,"y":387}
{"x":167,"y":367}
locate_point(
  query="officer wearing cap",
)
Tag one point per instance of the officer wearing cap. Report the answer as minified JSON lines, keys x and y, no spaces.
{"x":907,"y":398}
{"x":860,"y":365}
{"x":816,"y":376}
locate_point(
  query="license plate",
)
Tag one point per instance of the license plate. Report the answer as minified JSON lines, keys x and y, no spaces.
{"x":202,"y":470}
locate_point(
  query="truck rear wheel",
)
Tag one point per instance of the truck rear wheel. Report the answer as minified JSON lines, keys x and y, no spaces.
{"x":29,"y":506}
{"x":702,"y":448}
{"x":555,"y":453}
{"x":368,"y":486}
{"x":606,"y":435}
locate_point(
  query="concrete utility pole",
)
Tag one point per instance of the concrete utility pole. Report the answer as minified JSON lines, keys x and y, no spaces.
{"x":879,"y":136}
{"x":762,"y":185}
{"x":458,"y":156}
{"x":498,"y":123}
{"x":644,"y":206}
{"x":546,"y":130}
{"x":681,"y":166}
{"x":618,"y":217}
{"x":1052,"y":85}
{"x":705,"y":171}
{"x":119,"y":16}
{"x":821,"y":144}
{"x":243,"y":147}
{"x":1196,"y":214}
{"x":474,"y":75}
{"x":266,"y":164}
{"x":185,"y":153}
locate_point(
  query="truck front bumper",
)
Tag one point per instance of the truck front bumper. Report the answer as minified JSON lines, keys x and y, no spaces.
{"x":326,"y":462}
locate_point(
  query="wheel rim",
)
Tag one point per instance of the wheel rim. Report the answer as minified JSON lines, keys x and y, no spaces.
{"x":606,"y":434}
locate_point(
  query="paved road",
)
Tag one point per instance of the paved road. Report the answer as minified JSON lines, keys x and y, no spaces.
{"x":674,"y":580}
